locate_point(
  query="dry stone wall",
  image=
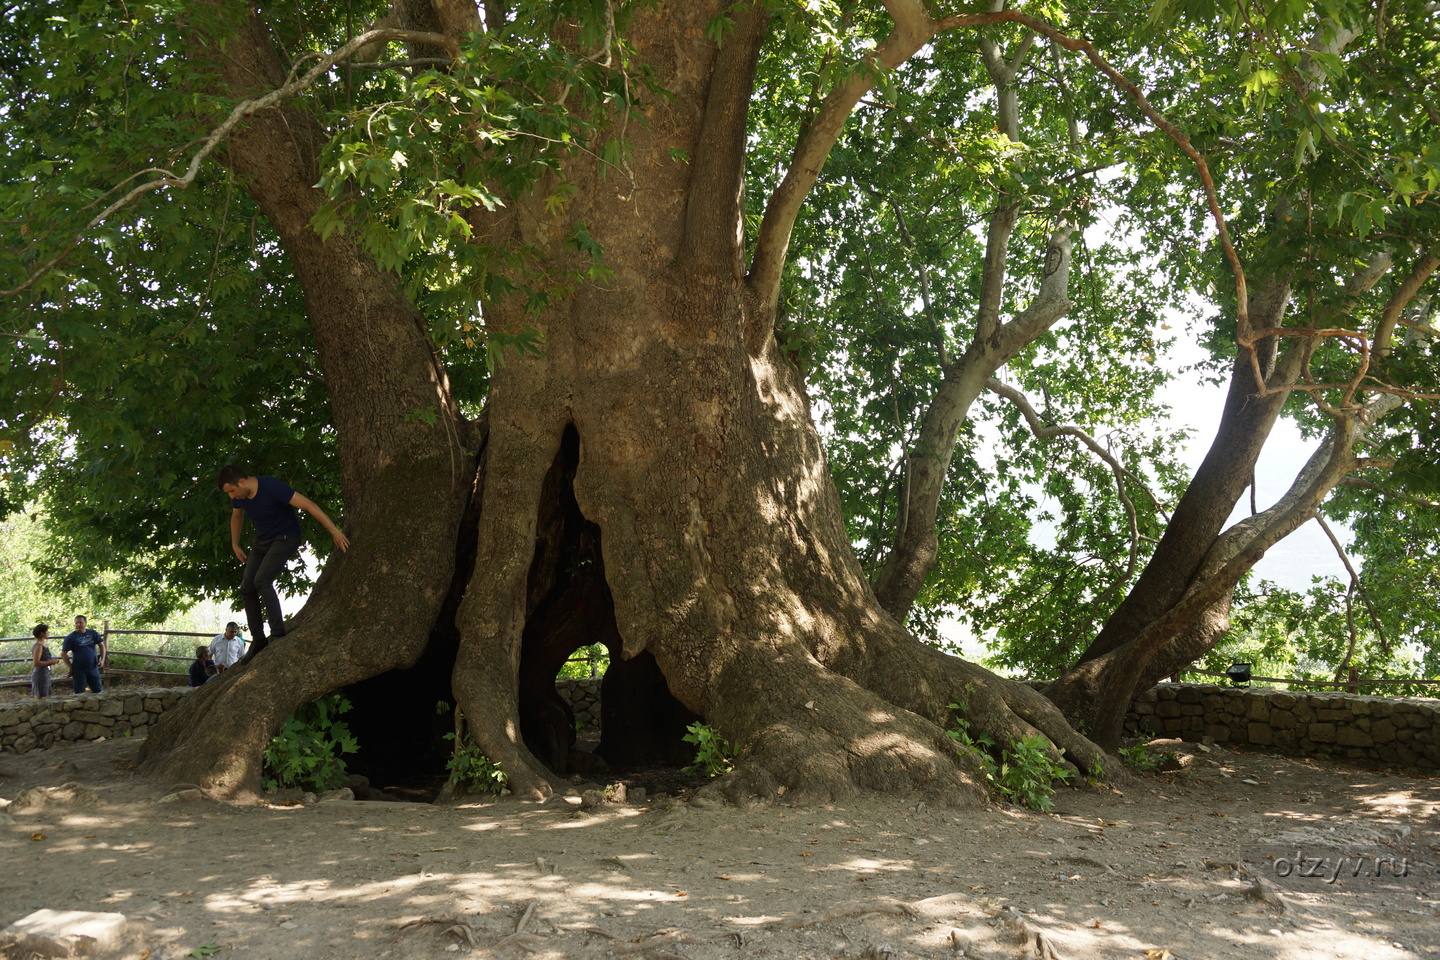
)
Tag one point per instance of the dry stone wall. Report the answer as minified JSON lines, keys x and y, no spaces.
{"x":30,"y":724}
{"x":584,"y":698}
{"x":1404,"y":730}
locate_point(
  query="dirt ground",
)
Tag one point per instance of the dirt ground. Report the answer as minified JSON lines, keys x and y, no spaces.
{"x":1239,"y":855}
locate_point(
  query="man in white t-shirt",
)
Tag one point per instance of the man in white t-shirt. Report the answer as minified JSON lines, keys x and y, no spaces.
{"x":227,"y":647}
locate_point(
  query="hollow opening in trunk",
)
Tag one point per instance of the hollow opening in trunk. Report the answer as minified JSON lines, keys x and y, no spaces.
{"x":570,"y":608}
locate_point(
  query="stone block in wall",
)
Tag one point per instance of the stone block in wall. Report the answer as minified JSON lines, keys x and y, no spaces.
{"x":1144,"y":708}
{"x":134,"y":705}
{"x":1321,"y":732}
{"x":1348,"y":736}
{"x":1330,"y":714}
{"x":1173,"y":724}
{"x":112,"y":708}
{"x":1283,"y":720}
{"x":73,"y":730}
{"x":1360,"y":706}
{"x":1188,"y":695}
{"x":1217,"y":732}
{"x":1257,"y":708}
{"x":85,"y":716}
{"x":1304,"y":711}
{"x":1285,"y":738}
{"x":1280,"y":699}
{"x":1382,"y":708}
{"x":24,"y":744}
{"x":94,"y":731}
{"x":1404,"y":735}
{"x":1149,"y":696}
{"x":1260,"y":733}
{"x":1192,"y":710}
{"x":1382,"y":730}
{"x":1213,"y":701}
{"x":152,"y":705}
{"x":1167,"y":709}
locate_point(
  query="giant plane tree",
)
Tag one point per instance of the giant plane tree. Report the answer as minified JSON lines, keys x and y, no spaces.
{"x":541,"y":291}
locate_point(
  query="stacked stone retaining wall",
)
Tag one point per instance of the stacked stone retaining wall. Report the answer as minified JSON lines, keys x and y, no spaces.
{"x":584,"y":698}
{"x":30,"y":724}
{"x":1404,"y":730}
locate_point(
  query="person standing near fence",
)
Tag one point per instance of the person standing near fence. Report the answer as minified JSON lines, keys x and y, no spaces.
{"x":42,"y":660}
{"x":84,"y":653}
{"x":272,"y":506}
{"x":227,"y":647}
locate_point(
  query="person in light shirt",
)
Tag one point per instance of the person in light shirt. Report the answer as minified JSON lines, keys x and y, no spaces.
{"x":227,"y":647}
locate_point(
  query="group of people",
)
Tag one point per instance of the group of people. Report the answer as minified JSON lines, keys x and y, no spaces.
{"x":273,"y":506}
{"x":82,"y":651}
{"x":223,"y":652}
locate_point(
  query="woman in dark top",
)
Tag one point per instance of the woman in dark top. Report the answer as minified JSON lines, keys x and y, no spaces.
{"x":43,"y":661}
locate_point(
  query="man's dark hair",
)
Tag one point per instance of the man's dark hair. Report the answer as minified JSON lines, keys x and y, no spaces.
{"x":40,"y":628}
{"x":230,"y":474}
{"x":81,"y":616}
{"x":232,"y":623}
{"x":201,"y":651}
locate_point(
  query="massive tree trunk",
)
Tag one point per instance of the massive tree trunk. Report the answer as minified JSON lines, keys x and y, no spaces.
{"x":699,"y":467}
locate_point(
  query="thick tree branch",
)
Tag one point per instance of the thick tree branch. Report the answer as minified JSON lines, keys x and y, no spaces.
{"x":1400,"y":301}
{"x":714,"y":209}
{"x":1234,"y":553}
{"x":915,"y":545}
{"x":913,"y":29}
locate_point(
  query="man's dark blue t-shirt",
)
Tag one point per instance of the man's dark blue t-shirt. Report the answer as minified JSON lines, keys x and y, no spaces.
{"x":270,"y":509}
{"x":83,"y":647}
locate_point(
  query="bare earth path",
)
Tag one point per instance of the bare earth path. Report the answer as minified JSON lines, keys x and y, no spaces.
{"x":1193,"y":863}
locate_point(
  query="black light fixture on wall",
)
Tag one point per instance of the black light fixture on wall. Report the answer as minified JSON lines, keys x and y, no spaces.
{"x":1238,"y":674}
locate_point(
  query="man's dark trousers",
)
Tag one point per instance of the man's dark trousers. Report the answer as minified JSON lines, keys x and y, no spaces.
{"x":264,"y":563}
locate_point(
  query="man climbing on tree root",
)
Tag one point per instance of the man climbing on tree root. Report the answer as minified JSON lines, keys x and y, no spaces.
{"x":271,"y":505}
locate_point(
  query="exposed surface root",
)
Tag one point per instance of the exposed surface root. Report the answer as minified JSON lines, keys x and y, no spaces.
{"x":825,"y":738}
{"x":1034,"y":943}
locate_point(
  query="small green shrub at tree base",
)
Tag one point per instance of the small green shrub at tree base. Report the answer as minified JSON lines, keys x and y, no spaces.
{"x":713,"y":755}
{"x":1027,"y":774}
{"x":1138,"y":757}
{"x":473,"y":770}
{"x":307,"y":752}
